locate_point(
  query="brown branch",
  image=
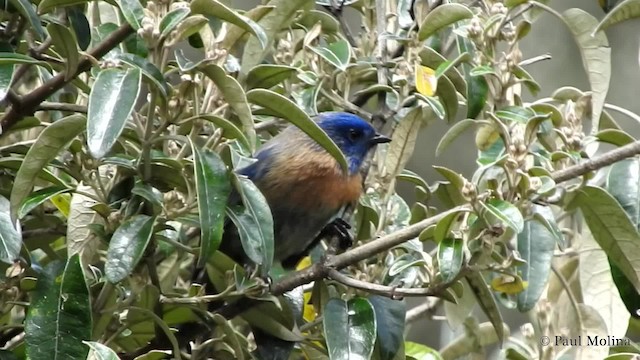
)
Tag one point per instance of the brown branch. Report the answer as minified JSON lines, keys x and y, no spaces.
{"x":28,"y":103}
{"x":392,"y":292}
{"x":322,"y":269}
{"x":596,"y":163}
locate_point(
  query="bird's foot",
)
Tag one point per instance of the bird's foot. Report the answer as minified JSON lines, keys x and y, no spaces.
{"x":340,"y":229}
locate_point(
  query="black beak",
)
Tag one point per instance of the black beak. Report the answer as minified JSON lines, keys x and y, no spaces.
{"x":379,"y":139}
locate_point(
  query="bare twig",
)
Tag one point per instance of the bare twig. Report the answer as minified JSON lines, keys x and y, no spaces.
{"x":599,"y":162}
{"x":46,"y":105}
{"x":28,"y":103}
{"x":390,"y":291}
{"x":428,"y":308}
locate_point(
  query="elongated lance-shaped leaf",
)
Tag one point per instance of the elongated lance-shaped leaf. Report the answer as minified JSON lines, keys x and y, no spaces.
{"x":535,"y":244}
{"x":49,"y":143}
{"x":629,"y":9}
{"x":596,"y":58}
{"x":10,"y":238}
{"x":39,"y":197}
{"x":127,"y":246}
{"x":289,"y":111}
{"x":349,"y":328}
{"x":25,"y":8}
{"x":441,"y":17}
{"x":390,"y":325}
{"x":59,"y":317}
{"x":235,"y":96}
{"x":101,"y":351}
{"x":213,"y":188}
{"x":450,"y":257}
{"x":403,"y":141}
{"x":255,"y":223}
{"x":133,"y":12}
{"x":488,"y":303}
{"x":111,"y":102}
{"x":280,"y":17}
{"x":65,"y":44}
{"x":612,"y":229}
{"x":221,"y":11}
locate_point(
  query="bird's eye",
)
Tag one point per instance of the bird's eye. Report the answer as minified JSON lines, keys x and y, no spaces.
{"x":354,"y":134}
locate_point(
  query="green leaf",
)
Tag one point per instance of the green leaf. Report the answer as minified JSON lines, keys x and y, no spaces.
{"x":230,"y":129}
{"x":10,"y":239}
{"x":59,"y":317}
{"x":450,"y":258}
{"x":274,"y":319}
{"x":80,"y":26}
{"x":46,"y":6}
{"x":448,"y":65}
{"x":171,"y":20}
{"x":65,"y":44}
{"x":629,"y":9}
{"x":614,"y":137}
{"x":336,"y":53}
{"x":487,"y":302}
{"x":100,"y":351}
{"x":596,"y":58}
{"x":255,"y":223}
{"x":477,"y":91}
{"x":9,"y":58}
{"x":612,"y":229}
{"x":133,"y":12}
{"x":280,"y":17}
{"x":26,"y":10}
{"x":349,"y":328}
{"x":267,"y":76}
{"x":6,"y":76}
{"x":49,"y":143}
{"x":442,"y":16}
{"x":505,"y":212}
{"x":213,"y":188}
{"x":403,"y":141}
{"x":515,"y":114}
{"x":187,"y":28}
{"x":127,"y":246}
{"x":453,"y":132}
{"x":420,"y":352}
{"x":448,"y":97}
{"x":544,"y":215}
{"x":149,"y":71}
{"x":111,"y":102}
{"x":535,"y":245}
{"x":287,"y":110}
{"x":39,"y":197}
{"x":235,"y":96}
{"x":221,"y":11}
{"x":390,"y":325}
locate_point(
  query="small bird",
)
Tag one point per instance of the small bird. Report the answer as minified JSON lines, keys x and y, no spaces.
{"x":305,"y":186}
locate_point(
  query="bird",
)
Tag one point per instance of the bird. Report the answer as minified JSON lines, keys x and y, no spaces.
{"x":305,"y":186}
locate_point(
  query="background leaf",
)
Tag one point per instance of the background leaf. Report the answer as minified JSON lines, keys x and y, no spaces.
{"x":127,"y":246}
{"x":59,"y":317}
{"x":349,"y":328}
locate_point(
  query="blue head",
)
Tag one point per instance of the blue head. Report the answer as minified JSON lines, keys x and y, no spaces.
{"x":354,"y":136}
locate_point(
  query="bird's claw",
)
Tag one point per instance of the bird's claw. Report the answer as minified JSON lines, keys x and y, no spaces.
{"x":340,"y":229}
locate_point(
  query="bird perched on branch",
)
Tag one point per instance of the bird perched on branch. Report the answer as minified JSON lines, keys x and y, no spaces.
{"x":305,"y":186}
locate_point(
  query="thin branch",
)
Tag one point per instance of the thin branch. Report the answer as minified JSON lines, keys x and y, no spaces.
{"x":381,"y":57}
{"x":321,"y":269}
{"x":337,"y":11}
{"x":426,"y":309}
{"x":596,"y":163}
{"x":29,"y":102}
{"x":390,"y":291}
{"x":55,"y":106}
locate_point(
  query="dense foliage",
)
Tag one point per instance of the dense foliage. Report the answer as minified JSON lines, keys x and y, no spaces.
{"x":122,"y":122}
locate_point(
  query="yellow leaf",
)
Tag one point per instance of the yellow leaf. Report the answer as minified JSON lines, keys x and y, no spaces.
{"x":309,"y":313}
{"x":509,"y":284}
{"x":63,"y":203}
{"x":426,"y":80}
